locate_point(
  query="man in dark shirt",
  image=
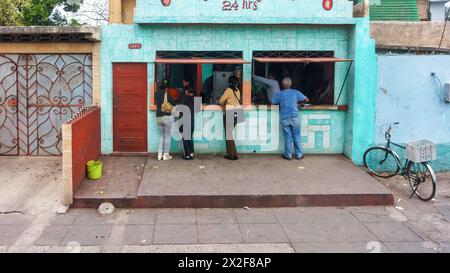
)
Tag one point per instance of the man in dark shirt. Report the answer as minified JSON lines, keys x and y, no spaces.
{"x":187,"y":99}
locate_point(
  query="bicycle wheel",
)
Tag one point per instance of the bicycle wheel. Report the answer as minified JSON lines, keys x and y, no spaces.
{"x":381,"y":162}
{"x":421,"y":178}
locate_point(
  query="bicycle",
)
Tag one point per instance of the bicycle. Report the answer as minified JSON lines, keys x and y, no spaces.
{"x":384,"y":162}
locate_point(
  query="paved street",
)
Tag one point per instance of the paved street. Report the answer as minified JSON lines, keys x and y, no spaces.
{"x":33,"y":226}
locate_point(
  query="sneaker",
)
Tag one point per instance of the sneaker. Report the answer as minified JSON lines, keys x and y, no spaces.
{"x":187,"y":157}
{"x":299,"y":158}
{"x":160,"y":156}
{"x":287,"y":158}
{"x":167,"y":157}
{"x":230,"y":157}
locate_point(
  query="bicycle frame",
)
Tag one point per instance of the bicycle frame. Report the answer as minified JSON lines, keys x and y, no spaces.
{"x":397,"y":157}
{"x":406,"y":169}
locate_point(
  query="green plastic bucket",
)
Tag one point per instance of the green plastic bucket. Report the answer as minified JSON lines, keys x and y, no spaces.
{"x":94,"y":169}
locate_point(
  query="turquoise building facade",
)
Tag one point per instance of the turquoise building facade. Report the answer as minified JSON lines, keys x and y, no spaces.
{"x":344,"y":127}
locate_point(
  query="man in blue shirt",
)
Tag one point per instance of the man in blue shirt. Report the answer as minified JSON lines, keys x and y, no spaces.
{"x":288,"y":99}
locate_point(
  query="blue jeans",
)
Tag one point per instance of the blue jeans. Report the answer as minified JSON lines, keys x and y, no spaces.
{"x":291,"y":131}
{"x":165,"y":124}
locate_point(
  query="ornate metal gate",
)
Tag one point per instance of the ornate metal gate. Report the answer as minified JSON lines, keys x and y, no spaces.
{"x":38,"y":93}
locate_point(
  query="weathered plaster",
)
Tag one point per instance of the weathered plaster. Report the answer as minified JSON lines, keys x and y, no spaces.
{"x":267,"y":12}
{"x":301,"y":25}
{"x":407,"y":93}
{"x":244,"y":38}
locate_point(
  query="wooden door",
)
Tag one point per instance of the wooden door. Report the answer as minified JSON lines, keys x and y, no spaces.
{"x":130,"y":107}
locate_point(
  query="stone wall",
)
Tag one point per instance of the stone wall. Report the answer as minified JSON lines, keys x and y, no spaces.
{"x":423,"y":9}
{"x":410,"y":34}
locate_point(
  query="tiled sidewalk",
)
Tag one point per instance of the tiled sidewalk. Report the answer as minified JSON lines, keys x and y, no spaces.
{"x":366,"y":229}
{"x":28,"y":222}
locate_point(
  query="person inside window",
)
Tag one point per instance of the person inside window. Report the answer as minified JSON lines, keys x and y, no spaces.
{"x":271,"y":84}
{"x":207,"y":90}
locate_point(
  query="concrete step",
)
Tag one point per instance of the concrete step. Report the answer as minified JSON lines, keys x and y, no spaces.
{"x":255,"y":181}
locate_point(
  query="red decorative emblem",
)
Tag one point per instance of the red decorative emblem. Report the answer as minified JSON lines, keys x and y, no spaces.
{"x":165,"y":3}
{"x":12,"y":102}
{"x":327,"y":4}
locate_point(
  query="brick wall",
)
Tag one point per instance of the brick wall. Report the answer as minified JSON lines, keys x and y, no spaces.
{"x":81,"y":143}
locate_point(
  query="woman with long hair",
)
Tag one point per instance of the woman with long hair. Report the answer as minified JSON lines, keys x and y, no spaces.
{"x":165,"y":120}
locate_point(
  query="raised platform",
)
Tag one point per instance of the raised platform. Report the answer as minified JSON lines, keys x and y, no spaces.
{"x":213,"y":182}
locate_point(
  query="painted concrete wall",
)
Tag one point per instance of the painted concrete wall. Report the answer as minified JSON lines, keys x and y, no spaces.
{"x":362,"y":98}
{"x":243,"y":11}
{"x":321,"y":133}
{"x":244,"y":38}
{"x":285,"y":25}
{"x":408,"y":94}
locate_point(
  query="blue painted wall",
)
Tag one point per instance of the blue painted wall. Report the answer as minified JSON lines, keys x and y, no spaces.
{"x":408,"y":94}
{"x":264,"y":12}
{"x":321,"y":133}
{"x":284,"y":25}
{"x":244,"y":38}
{"x":361,"y":100}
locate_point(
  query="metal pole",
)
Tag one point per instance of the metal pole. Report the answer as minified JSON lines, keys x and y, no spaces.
{"x":343,"y":84}
{"x":447,"y":13}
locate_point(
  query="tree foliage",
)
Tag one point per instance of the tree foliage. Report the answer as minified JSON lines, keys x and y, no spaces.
{"x":37,"y":12}
{"x":11,"y":12}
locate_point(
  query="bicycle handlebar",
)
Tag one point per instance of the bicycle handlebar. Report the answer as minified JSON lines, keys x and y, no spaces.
{"x":387,"y":134}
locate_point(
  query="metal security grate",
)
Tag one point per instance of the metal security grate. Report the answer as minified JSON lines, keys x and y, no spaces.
{"x":37,"y":94}
{"x":199,"y":54}
{"x":292,"y":54}
{"x":39,"y":37}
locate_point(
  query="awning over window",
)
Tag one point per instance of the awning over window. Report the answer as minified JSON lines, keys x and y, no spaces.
{"x":302,"y":60}
{"x":201,"y":61}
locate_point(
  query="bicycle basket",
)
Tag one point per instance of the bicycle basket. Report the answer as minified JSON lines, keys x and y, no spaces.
{"x":421,"y":151}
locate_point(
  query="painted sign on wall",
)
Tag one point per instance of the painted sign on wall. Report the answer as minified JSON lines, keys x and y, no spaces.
{"x":248,"y":4}
{"x":239,"y":11}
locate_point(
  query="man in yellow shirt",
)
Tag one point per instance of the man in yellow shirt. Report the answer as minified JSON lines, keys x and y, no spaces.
{"x":231,"y":99}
